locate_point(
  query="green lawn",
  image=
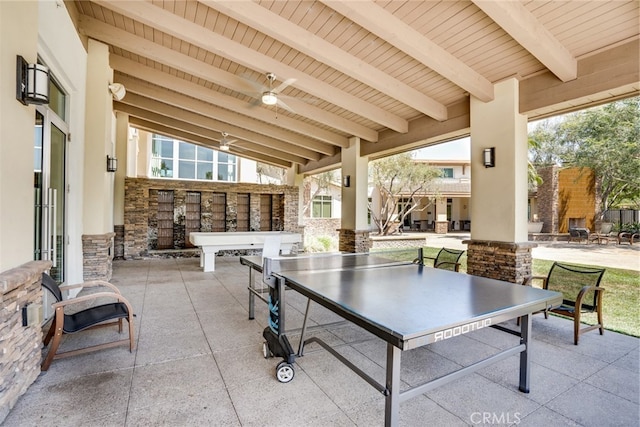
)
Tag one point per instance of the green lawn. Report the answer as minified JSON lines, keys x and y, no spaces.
{"x":621,"y":300}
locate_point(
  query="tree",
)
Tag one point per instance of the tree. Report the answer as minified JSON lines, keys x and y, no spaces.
{"x":604,"y":139}
{"x":395,"y":177}
{"x":322,"y":183}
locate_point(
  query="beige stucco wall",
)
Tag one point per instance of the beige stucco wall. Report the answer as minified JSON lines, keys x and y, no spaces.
{"x":32,"y":29}
{"x":19,"y":23}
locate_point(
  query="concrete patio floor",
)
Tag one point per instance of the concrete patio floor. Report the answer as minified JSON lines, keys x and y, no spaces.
{"x":198,"y":362}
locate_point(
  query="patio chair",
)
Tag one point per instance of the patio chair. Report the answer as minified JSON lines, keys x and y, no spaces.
{"x":447,"y":259}
{"x":94,"y":316}
{"x":628,"y":237}
{"x":576,"y":284}
{"x":604,"y":235}
{"x":579,"y":234}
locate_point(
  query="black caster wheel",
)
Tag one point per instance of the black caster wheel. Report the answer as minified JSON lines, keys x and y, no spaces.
{"x":266,"y":352}
{"x":284,"y":372}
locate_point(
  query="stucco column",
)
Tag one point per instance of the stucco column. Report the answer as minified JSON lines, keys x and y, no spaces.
{"x":498,"y":247}
{"x":97,"y":238}
{"x":354,"y":230}
{"x":440,"y":209}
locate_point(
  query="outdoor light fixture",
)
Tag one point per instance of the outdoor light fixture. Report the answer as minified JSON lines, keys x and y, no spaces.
{"x":224,"y":147}
{"x":117,"y":91}
{"x":269,"y":98}
{"x":346,"y":181}
{"x":32,"y":82}
{"x":489,"y":157}
{"x":112,"y":164}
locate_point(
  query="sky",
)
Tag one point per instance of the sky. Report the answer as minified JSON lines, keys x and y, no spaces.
{"x":453,"y":150}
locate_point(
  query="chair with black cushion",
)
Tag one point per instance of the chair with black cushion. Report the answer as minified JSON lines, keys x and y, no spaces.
{"x":580,"y":287}
{"x":579,"y":234}
{"x":447,"y":259}
{"x":87,"y":316}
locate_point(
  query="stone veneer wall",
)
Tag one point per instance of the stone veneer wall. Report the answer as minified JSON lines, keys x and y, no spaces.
{"x":139,"y":205}
{"x":506,"y":261}
{"x":97,"y":256}
{"x":397,"y":242}
{"x":322,"y":227}
{"x":353,"y":241}
{"x":548,"y":199}
{"x":442,"y":227}
{"x":20,"y":353}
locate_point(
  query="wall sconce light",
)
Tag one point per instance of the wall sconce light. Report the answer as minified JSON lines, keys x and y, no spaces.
{"x":32,"y":82}
{"x":489,"y":157}
{"x":346,"y":181}
{"x":117,"y":91}
{"x":112,"y":164}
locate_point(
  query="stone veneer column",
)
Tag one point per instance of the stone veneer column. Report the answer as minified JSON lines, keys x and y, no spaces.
{"x":20,"y":346}
{"x":118,"y":242}
{"x":506,"y":261}
{"x":548,"y":199}
{"x":97,"y":256}
{"x":353,"y":241}
{"x":442,"y":227}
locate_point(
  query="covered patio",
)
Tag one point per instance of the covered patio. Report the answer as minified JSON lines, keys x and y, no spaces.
{"x":199,"y":361}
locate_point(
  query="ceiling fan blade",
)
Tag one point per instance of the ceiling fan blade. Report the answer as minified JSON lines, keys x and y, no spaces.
{"x":283,"y":85}
{"x":282,"y":104}
{"x":253,"y":85}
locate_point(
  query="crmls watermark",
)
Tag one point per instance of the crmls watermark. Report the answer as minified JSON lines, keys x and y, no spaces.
{"x":495,"y":418}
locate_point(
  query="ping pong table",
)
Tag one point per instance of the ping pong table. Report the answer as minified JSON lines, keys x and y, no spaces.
{"x":407,"y":305}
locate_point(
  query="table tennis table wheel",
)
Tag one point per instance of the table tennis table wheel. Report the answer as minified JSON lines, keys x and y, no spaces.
{"x":266,"y":351}
{"x":284,"y":372}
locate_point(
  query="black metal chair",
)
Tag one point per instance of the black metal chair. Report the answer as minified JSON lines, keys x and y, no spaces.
{"x":579,"y":234}
{"x":95,"y":316}
{"x":575,"y":283}
{"x":447,"y":259}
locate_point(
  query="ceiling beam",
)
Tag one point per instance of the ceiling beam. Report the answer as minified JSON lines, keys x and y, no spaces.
{"x":394,"y":31}
{"x":221,"y":120}
{"x":176,"y":116}
{"x":199,"y":140}
{"x":181,"y":28}
{"x":520,"y":24}
{"x":163,"y":55}
{"x":223,"y":107}
{"x":281,"y":29}
{"x":157,"y":123}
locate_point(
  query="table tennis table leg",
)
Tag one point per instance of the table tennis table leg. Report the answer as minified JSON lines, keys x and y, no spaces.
{"x":525,"y":361}
{"x":392,"y":400}
{"x":252,"y":299}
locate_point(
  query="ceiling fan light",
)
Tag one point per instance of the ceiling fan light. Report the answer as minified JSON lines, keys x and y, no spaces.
{"x":269,"y":98}
{"x":224,"y":147}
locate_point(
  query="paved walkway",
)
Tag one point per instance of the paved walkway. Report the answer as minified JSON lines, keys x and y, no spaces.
{"x":611,"y":255}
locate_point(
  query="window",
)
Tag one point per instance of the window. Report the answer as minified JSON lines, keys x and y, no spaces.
{"x":447,"y":172}
{"x":177,"y":159}
{"x":321,"y":207}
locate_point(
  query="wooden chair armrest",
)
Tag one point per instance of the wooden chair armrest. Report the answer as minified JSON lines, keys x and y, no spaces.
{"x":89,"y":297}
{"x":584,"y":291}
{"x":90,"y":284}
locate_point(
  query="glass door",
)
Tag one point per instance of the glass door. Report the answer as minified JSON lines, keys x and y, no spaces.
{"x":49,"y":190}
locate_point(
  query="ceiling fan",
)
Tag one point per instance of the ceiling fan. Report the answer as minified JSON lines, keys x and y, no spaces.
{"x":225,"y":142}
{"x":268,"y":94}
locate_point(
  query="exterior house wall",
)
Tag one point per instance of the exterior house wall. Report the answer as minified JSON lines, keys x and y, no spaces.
{"x":566,"y":195}
{"x":576,"y":198}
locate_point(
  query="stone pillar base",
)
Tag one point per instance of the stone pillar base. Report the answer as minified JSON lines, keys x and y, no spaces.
{"x":20,"y":346}
{"x":506,"y":261}
{"x":97,"y":256}
{"x":353,"y":241}
{"x":442,"y":227}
